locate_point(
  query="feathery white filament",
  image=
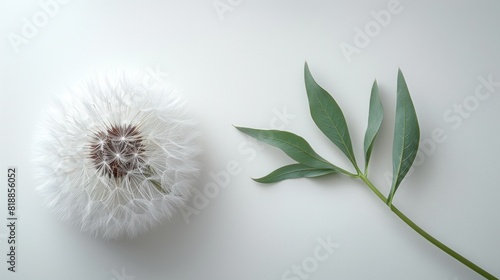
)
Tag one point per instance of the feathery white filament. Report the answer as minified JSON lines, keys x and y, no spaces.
{"x":117,"y":156}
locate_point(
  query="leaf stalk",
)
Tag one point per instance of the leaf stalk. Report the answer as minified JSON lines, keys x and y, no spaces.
{"x":425,"y":234}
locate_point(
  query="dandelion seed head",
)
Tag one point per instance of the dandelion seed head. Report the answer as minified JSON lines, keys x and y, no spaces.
{"x":117,"y":155}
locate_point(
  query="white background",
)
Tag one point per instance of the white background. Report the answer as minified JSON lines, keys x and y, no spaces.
{"x":241,"y":66}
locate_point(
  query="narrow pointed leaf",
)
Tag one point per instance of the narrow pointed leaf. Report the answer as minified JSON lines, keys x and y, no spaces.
{"x":406,"y":136}
{"x":327,"y":115}
{"x":293,"y":145}
{"x":375,"y":116}
{"x":294,"y":171}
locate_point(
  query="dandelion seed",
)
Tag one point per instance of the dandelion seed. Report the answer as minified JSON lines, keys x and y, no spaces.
{"x":118,"y":156}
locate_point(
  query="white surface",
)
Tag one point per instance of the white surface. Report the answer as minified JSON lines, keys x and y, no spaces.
{"x":237,"y":71}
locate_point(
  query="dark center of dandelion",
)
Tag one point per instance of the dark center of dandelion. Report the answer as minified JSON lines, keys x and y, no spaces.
{"x":117,"y":151}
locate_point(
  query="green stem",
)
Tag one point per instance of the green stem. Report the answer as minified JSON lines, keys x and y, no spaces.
{"x":427,"y":236}
{"x":373,"y":188}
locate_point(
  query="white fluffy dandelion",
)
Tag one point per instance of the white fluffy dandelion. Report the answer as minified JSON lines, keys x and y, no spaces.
{"x":117,"y":156}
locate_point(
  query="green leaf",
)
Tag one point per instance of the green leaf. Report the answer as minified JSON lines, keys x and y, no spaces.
{"x":328,"y":116}
{"x":406,"y":136}
{"x":294,"y":171}
{"x":293,"y":145}
{"x":375,"y":116}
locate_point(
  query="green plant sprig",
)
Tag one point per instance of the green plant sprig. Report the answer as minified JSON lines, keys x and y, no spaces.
{"x":329,"y":118}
